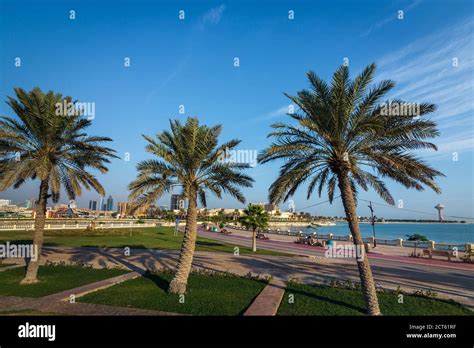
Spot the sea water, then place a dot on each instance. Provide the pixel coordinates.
(439, 232)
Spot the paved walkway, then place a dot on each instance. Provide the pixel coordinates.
(88, 288)
(12, 303)
(268, 301)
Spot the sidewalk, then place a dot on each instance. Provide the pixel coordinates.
(380, 252)
(268, 301)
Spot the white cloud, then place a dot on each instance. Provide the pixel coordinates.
(424, 72)
(213, 16)
(390, 18)
(272, 114)
(459, 143)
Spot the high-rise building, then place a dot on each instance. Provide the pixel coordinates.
(92, 205)
(30, 203)
(110, 203)
(102, 204)
(177, 202)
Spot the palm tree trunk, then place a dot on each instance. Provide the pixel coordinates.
(180, 280)
(40, 218)
(254, 240)
(366, 278)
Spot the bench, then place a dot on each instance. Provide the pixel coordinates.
(433, 252)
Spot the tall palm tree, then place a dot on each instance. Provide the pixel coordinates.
(255, 218)
(188, 156)
(52, 147)
(343, 132)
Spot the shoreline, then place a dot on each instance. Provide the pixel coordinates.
(338, 237)
(414, 223)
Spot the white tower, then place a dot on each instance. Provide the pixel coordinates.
(439, 207)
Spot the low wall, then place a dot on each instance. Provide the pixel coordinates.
(31, 227)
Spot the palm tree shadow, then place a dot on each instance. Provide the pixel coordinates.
(159, 281)
(204, 243)
(330, 300)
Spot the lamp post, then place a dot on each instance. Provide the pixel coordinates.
(372, 221)
(176, 226)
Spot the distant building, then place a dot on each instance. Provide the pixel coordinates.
(92, 205)
(270, 207)
(102, 204)
(123, 208)
(5, 202)
(177, 202)
(30, 203)
(110, 204)
(62, 213)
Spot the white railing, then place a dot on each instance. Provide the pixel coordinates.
(379, 241)
(29, 227)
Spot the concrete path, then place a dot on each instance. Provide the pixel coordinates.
(88, 288)
(12, 303)
(447, 283)
(268, 301)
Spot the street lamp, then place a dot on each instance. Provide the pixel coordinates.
(177, 219)
(373, 221)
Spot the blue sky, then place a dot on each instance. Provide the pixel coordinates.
(190, 62)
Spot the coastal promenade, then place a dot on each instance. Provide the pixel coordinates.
(382, 252)
(453, 282)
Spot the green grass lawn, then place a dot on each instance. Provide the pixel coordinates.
(150, 238)
(27, 312)
(53, 279)
(2, 265)
(207, 294)
(325, 300)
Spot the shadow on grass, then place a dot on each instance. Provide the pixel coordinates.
(19, 241)
(329, 300)
(161, 282)
(204, 243)
(119, 246)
